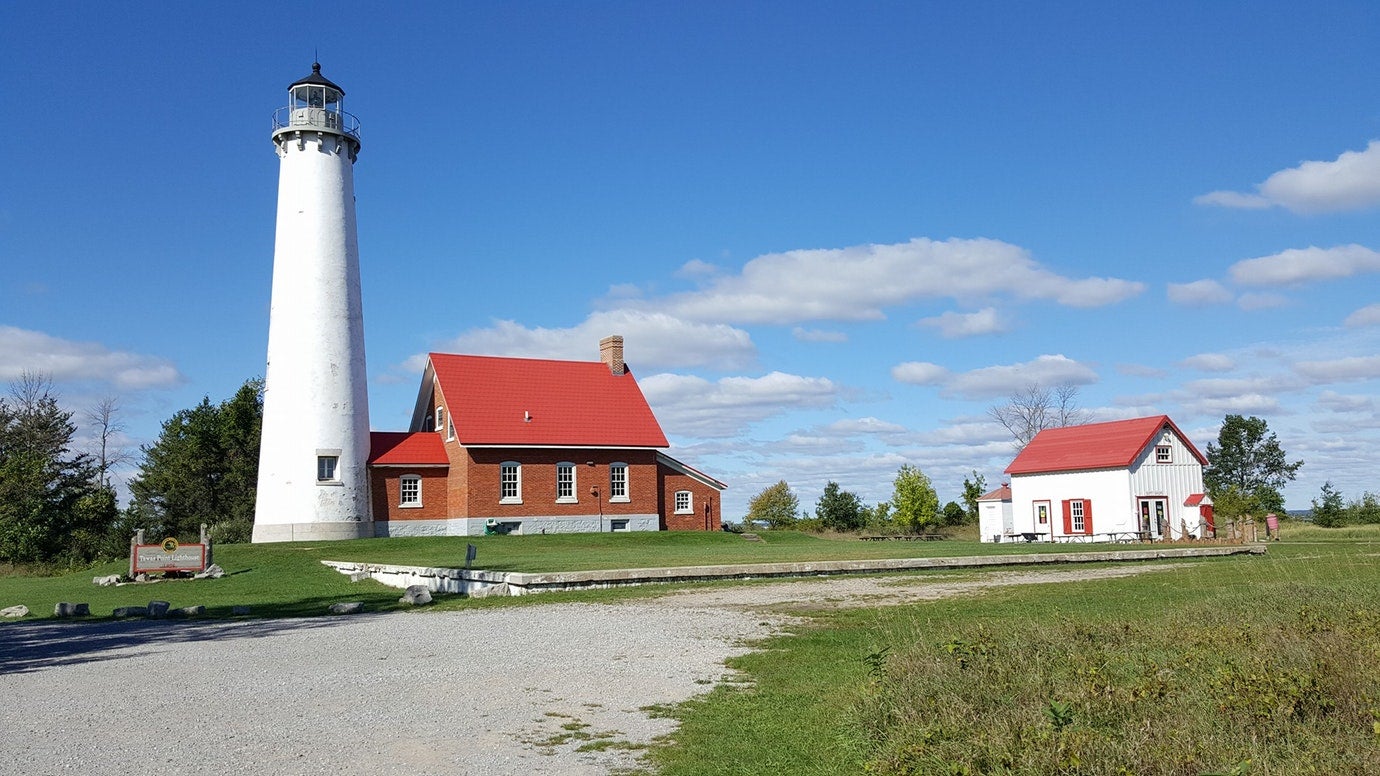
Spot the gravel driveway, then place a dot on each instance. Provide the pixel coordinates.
(494, 691)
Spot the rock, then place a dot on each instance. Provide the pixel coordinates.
(212, 572)
(416, 595)
(65, 609)
(347, 607)
(18, 610)
(106, 581)
(239, 611)
(485, 591)
(358, 576)
(141, 577)
(189, 611)
(159, 608)
(123, 612)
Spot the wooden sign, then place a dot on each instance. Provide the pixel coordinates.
(167, 555)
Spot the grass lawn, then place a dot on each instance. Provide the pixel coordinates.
(1259, 665)
(288, 580)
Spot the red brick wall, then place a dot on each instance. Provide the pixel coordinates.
(384, 492)
(704, 501)
(539, 482)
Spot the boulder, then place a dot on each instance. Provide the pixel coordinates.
(358, 576)
(239, 611)
(18, 610)
(66, 609)
(106, 581)
(347, 607)
(212, 572)
(416, 595)
(123, 612)
(189, 611)
(159, 608)
(485, 591)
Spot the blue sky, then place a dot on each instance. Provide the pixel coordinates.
(832, 234)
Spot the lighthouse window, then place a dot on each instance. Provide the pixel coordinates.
(510, 483)
(326, 468)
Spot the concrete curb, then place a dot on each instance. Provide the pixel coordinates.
(480, 583)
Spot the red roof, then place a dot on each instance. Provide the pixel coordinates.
(401, 448)
(523, 402)
(1113, 445)
(1195, 499)
(1000, 494)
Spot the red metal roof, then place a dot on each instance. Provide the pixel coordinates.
(524, 402)
(1113, 445)
(401, 448)
(1000, 494)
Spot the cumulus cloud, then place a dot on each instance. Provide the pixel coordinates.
(954, 325)
(1301, 265)
(818, 335)
(868, 425)
(993, 381)
(24, 350)
(1350, 182)
(858, 283)
(1366, 316)
(1338, 402)
(696, 407)
(1253, 301)
(651, 339)
(1209, 362)
(1340, 369)
(1199, 293)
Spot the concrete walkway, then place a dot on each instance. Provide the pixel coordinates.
(478, 583)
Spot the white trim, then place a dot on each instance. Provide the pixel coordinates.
(690, 471)
(574, 497)
(627, 487)
(689, 508)
(517, 466)
(403, 503)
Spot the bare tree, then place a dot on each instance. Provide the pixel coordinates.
(1035, 408)
(104, 417)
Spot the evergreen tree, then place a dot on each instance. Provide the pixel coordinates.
(1328, 509)
(954, 514)
(839, 510)
(203, 469)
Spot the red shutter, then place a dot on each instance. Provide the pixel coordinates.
(1068, 517)
(1087, 516)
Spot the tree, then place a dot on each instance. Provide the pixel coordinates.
(203, 469)
(914, 499)
(954, 514)
(776, 506)
(1247, 457)
(839, 510)
(1328, 509)
(51, 500)
(1034, 408)
(108, 453)
(878, 516)
(973, 490)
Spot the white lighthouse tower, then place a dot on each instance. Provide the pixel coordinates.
(313, 477)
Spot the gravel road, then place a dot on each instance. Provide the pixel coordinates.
(493, 691)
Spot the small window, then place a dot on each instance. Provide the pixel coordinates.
(618, 482)
(450, 428)
(1076, 514)
(1164, 454)
(326, 466)
(510, 483)
(618, 525)
(684, 504)
(565, 483)
(440, 418)
(410, 491)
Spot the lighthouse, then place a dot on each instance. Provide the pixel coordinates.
(313, 476)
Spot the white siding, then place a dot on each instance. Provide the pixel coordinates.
(1174, 481)
(1108, 489)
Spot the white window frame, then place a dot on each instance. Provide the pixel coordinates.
(689, 506)
(1164, 454)
(1076, 516)
(328, 464)
(515, 481)
(403, 482)
(565, 491)
(450, 428)
(618, 481)
(440, 418)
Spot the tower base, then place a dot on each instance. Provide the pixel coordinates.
(312, 532)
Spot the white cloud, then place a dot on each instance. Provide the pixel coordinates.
(1209, 362)
(1301, 265)
(693, 406)
(868, 425)
(818, 335)
(1243, 404)
(24, 350)
(993, 381)
(1226, 388)
(1366, 316)
(651, 339)
(1338, 402)
(954, 325)
(696, 268)
(1253, 301)
(859, 282)
(1340, 369)
(1140, 370)
(1350, 182)
(1199, 292)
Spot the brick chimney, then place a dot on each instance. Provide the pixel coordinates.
(611, 353)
